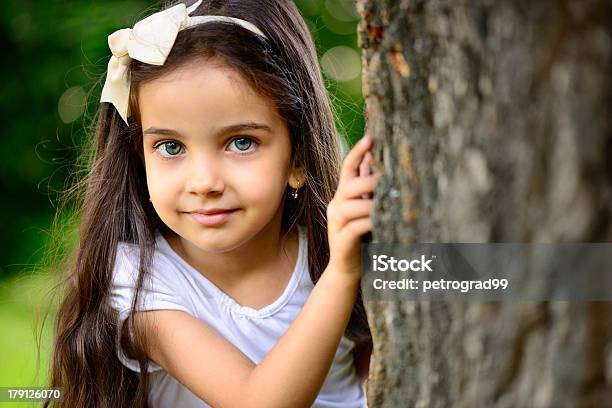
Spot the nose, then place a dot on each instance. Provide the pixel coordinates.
(204, 175)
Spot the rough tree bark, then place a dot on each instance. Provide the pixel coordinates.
(492, 123)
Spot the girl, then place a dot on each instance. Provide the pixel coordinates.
(218, 261)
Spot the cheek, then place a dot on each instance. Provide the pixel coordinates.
(263, 184)
(160, 185)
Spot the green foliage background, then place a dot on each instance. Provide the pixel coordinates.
(55, 56)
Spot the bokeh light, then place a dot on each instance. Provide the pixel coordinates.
(341, 63)
(71, 104)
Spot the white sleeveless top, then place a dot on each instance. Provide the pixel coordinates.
(177, 285)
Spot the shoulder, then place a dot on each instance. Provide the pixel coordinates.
(127, 264)
(161, 287)
(162, 282)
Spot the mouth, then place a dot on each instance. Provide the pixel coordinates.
(212, 217)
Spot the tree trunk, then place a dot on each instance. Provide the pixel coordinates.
(492, 123)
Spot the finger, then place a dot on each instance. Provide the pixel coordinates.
(357, 227)
(350, 165)
(365, 169)
(365, 166)
(358, 186)
(353, 209)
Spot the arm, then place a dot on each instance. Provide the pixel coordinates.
(290, 375)
(300, 361)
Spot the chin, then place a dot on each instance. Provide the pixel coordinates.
(215, 240)
(218, 247)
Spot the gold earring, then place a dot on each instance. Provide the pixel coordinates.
(295, 191)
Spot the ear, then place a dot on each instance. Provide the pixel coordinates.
(296, 177)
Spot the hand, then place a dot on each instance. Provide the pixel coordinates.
(349, 212)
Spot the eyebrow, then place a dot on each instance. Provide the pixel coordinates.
(224, 130)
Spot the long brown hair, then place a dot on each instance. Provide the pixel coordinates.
(112, 204)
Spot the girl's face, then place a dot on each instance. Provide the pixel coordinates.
(211, 142)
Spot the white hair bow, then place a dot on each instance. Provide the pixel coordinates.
(150, 41)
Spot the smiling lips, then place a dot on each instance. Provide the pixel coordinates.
(212, 217)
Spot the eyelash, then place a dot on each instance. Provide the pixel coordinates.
(171, 157)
